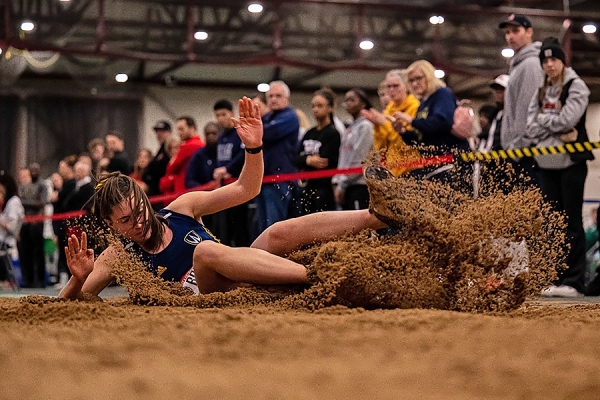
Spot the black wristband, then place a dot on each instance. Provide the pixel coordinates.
(254, 150)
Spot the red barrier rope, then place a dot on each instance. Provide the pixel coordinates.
(41, 218)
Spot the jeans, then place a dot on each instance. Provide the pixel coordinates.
(272, 205)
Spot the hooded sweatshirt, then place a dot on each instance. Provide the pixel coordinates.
(525, 76)
(546, 125)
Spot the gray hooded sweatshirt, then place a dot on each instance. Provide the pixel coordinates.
(525, 76)
(544, 127)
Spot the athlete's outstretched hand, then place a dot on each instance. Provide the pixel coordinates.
(249, 126)
(80, 259)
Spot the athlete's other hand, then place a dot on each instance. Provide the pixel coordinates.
(80, 259)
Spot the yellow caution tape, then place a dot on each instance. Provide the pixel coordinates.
(530, 151)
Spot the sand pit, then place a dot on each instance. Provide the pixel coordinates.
(434, 309)
(113, 349)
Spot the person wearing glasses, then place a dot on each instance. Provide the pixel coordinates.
(386, 137)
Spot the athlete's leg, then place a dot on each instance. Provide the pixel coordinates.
(218, 267)
(287, 236)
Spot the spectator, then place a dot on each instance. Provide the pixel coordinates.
(158, 166)
(432, 126)
(204, 161)
(24, 176)
(34, 197)
(142, 161)
(174, 179)
(356, 142)
(386, 136)
(119, 160)
(490, 134)
(84, 188)
(525, 76)
(11, 219)
(384, 96)
(319, 149)
(99, 155)
(261, 100)
(557, 116)
(304, 123)
(172, 146)
(230, 160)
(280, 142)
(67, 174)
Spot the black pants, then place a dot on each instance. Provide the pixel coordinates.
(31, 255)
(563, 188)
(231, 226)
(356, 197)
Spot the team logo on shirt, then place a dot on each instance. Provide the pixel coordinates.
(192, 238)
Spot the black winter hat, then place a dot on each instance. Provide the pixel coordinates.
(551, 48)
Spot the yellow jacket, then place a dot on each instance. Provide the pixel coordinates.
(398, 153)
(385, 135)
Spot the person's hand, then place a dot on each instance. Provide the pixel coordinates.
(249, 126)
(399, 126)
(317, 161)
(80, 259)
(404, 117)
(376, 117)
(220, 173)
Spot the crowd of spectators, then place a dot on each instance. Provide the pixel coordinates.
(540, 102)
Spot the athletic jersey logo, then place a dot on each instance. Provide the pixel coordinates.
(192, 238)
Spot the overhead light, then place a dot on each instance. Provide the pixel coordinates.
(255, 8)
(436, 20)
(439, 73)
(65, 1)
(589, 28)
(200, 35)
(27, 26)
(121, 78)
(508, 53)
(366, 44)
(0, 51)
(263, 87)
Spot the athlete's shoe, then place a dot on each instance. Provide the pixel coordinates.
(378, 173)
(376, 178)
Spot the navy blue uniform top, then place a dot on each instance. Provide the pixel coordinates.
(175, 260)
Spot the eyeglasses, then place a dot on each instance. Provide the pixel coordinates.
(416, 79)
(393, 86)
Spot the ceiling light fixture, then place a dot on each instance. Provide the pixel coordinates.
(589, 28)
(200, 35)
(508, 53)
(439, 73)
(366, 44)
(27, 26)
(121, 78)
(263, 87)
(255, 8)
(436, 20)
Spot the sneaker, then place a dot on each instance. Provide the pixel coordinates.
(561, 291)
(378, 173)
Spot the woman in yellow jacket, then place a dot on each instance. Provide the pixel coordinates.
(386, 138)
